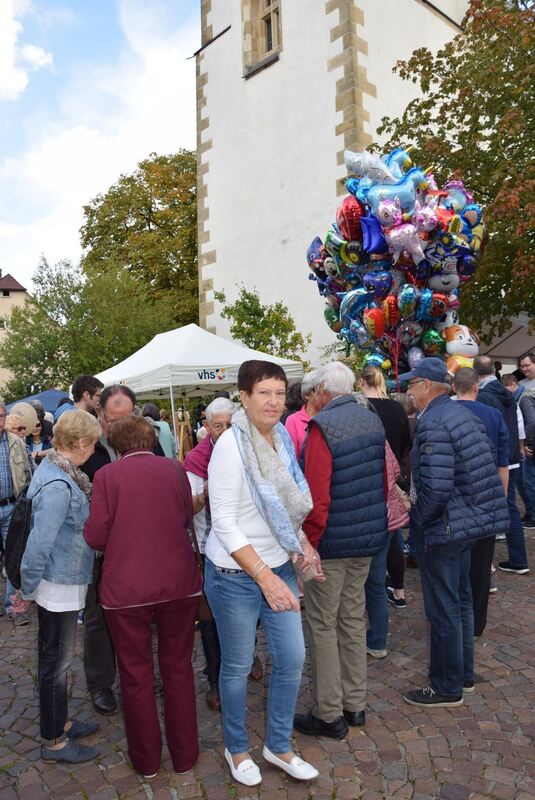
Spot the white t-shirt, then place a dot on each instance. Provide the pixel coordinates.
(236, 521)
(60, 596)
(201, 521)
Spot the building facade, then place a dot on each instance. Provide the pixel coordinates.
(283, 87)
(12, 295)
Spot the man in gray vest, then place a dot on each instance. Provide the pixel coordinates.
(344, 464)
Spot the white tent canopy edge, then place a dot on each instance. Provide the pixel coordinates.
(188, 361)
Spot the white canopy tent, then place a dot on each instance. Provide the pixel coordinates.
(189, 362)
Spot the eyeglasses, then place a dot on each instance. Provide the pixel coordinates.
(21, 428)
(415, 382)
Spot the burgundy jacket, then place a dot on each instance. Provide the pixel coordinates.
(139, 520)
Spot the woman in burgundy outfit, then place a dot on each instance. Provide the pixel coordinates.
(139, 516)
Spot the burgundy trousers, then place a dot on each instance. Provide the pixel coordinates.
(131, 633)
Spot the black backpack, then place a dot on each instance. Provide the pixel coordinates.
(18, 533)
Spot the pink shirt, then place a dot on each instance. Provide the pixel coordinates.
(296, 425)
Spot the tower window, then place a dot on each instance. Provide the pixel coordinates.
(262, 39)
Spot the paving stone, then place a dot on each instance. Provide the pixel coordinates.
(482, 750)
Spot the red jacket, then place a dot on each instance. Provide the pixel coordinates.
(139, 520)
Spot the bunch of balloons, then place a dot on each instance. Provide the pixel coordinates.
(390, 267)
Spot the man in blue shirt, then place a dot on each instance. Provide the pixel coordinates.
(466, 385)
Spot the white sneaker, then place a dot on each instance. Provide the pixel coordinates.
(376, 653)
(246, 772)
(297, 768)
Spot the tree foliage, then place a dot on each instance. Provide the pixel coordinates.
(474, 120)
(146, 224)
(270, 329)
(73, 325)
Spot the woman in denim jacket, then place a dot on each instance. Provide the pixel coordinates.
(55, 571)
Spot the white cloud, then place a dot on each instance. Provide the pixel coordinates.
(35, 57)
(111, 118)
(15, 59)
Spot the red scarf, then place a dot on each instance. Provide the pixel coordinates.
(197, 460)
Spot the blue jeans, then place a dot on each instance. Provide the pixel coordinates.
(376, 601)
(515, 535)
(5, 516)
(237, 603)
(445, 576)
(526, 485)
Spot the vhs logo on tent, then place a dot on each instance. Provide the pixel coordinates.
(211, 374)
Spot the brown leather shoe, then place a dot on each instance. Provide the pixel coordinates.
(257, 670)
(213, 700)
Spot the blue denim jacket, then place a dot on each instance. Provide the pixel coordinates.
(56, 549)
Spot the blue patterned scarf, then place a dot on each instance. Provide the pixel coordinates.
(283, 499)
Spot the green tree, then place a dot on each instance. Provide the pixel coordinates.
(270, 329)
(73, 324)
(146, 224)
(474, 120)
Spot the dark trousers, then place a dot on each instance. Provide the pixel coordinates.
(131, 631)
(212, 651)
(445, 576)
(99, 656)
(480, 564)
(395, 562)
(515, 535)
(55, 649)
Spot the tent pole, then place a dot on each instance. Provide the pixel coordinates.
(173, 410)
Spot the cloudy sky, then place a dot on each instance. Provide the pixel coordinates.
(88, 88)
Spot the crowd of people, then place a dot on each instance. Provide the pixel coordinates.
(264, 518)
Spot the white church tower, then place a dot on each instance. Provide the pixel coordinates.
(283, 87)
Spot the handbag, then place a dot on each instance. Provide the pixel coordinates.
(204, 613)
(18, 533)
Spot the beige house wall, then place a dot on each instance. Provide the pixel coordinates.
(7, 304)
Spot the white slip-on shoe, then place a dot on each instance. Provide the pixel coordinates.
(246, 772)
(297, 768)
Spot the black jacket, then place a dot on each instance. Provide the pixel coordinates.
(495, 394)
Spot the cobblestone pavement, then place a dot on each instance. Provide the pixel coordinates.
(483, 749)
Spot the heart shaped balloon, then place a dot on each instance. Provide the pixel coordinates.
(359, 335)
(390, 310)
(439, 304)
(409, 333)
(432, 343)
(348, 218)
(408, 297)
(374, 322)
(378, 282)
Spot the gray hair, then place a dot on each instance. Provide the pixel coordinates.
(309, 383)
(219, 406)
(336, 378)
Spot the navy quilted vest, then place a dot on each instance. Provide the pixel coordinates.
(357, 522)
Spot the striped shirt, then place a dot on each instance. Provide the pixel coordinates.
(6, 482)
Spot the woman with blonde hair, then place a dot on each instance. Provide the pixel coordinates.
(396, 425)
(56, 569)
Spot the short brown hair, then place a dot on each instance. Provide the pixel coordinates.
(132, 433)
(254, 371)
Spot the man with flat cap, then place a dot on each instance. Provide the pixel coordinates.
(457, 499)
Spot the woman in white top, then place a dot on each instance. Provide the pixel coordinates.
(56, 569)
(258, 501)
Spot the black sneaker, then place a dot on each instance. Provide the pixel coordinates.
(469, 687)
(506, 566)
(528, 523)
(397, 602)
(428, 698)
